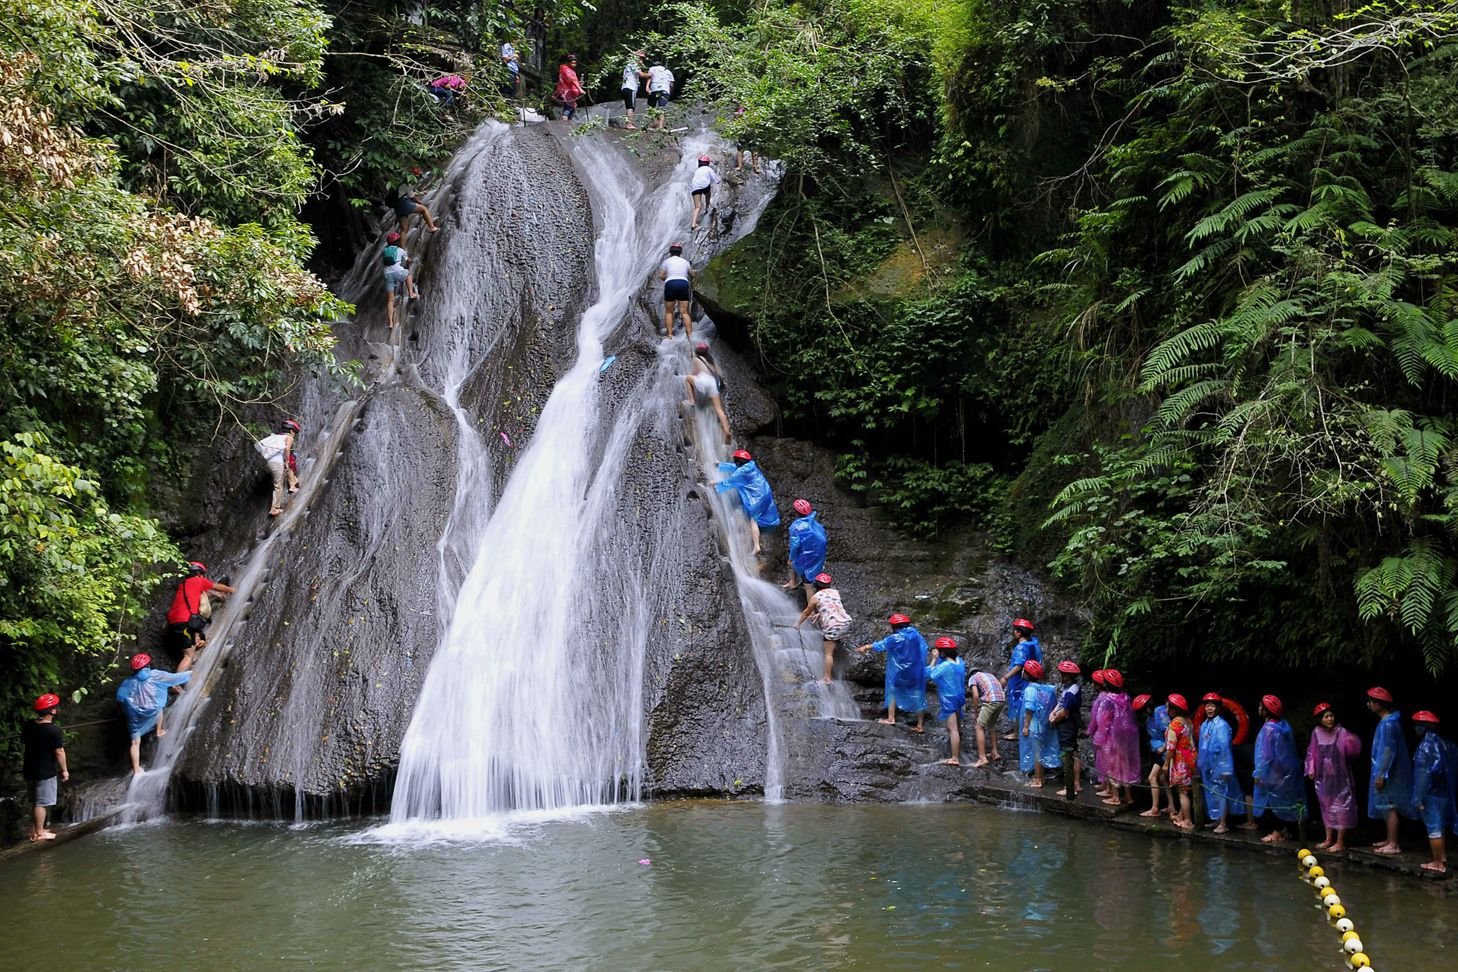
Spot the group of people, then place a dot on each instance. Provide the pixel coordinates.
(658, 79)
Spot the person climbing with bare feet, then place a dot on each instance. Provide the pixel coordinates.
(991, 702)
(701, 188)
(755, 495)
(677, 275)
(808, 544)
(144, 697)
(830, 616)
(1038, 742)
(397, 275)
(905, 684)
(706, 384)
(1389, 794)
(949, 675)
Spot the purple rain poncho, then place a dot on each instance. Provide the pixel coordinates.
(1278, 784)
(1390, 762)
(1328, 763)
(1115, 735)
(1097, 713)
(1216, 763)
(1040, 745)
(905, 668)
(754, 491)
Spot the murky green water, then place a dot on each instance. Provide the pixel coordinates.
(730, 886)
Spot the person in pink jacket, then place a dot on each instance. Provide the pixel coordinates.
(569, 88)
(1329, 766)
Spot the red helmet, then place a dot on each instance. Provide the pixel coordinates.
(1421, 716)
(704, 160)
(198, 567)
(898, 619)
(1272, 705)
(741, 454)
(1100, 676)
(944, 642)
(140, 661)
(1033, 668)
(1379, 693)
(47, 702)
(1213, 697)
(1320, 708)
(803, 507)
(1113, 678)
(1177, 701)
(392, 237)
(1023, 623)
(291, 424)
(823, 578)
(1140, 701)
(675, 247)
(1068, 667)
(701, 346)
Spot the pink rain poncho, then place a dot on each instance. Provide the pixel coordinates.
(1328, 763)
(1115, 735)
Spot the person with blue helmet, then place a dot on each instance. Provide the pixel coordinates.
(808, 544)
(1025, 649)
(905, 685)
(754, 494)
(1434, 787)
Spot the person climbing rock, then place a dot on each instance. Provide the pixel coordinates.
(807, 546)
(186, 620)
(705, 383)
(949, 675)
(1038, 738)
(447, 88)
(144, 697)
(402, 200)
(754, 494)
(701, 188)
(660, 87)
(511, 61)
(905, 684)
(1067, 719)
(991, 702)
(397, 274)
(830, 616)
(43, 763)
(633, 75)
(292, 462)
(1277, 783)
(275, 450)
(1329, 767)
(1155, 727)
(1216, 763)
(1389, 792)
(1179, 761)
(569, 88)
(1434, 787)
(1025, 649)
(677, 275)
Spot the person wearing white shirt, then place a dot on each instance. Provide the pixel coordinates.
(512, 62)
(660, 86)
(700, 187)
(633, 75)
(678, 290)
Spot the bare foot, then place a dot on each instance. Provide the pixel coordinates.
(728, 438)
(161, 733)
(1222, 829)
(1388, 851)
(1034, 785)
(275, 512)
(887, 722)
(293, 489)
(1323, 845)
(789, 586)
(1111, 801)
(997, 757)
(1151, 813)
(917, 729)
(825, 681)
(1337, 849)
(693, 226)
(1249, 826)
(1435, 867)
(754, 552)
(435, 229)
(1380, 844)
(979, 764)
(954, 761)
(39, 837)
(1183, 824)
(1274, 837)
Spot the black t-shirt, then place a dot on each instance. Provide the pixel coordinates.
(41, 740)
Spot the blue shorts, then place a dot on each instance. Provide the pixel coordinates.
(405, 206)
(1434, 816)
(658, 99)
(948, 709)
(395, 277)
(678, 290)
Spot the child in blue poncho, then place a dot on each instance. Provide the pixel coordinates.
(807, 547)
(1389, 793)
(905, 688)
(1025, 649)
(1279, 785)
(144, 696)
(754, 494)
(1434, 787)
(1038, 739)
(949, 675)
(1215, 760)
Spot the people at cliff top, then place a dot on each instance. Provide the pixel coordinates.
(705, 383)
(1216, 763)
(398, 276)
(446, 87)
(1434, 787)
(827, 612)
(1278, 788)
(1116, 746)
(990, 702)
(905, 683)
(1329, 758)
(1025, 649)
(1067, 719)
(1038, 740)
(275, 450)
(1179, 761)
(633, 75)
(701, 187)
(402, 200)
(144, 697)
(660, 86)
(511, 61)
(949, 675)
(1389, 790)
(755, 495)
(1155, 726)
(187, 620)
(569, 88)
(43, 763)
(677, 275)
(808, 544)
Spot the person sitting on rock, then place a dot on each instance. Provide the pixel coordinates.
(706, 383)
(1025, 649)
(1434, 781)
(830, 616)
(905, 684)
(807, 547)
(949, 675)
(144, 697)
(755, 495)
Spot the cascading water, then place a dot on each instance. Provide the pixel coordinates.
(533, 700)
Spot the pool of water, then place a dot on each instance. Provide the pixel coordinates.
(729, 886)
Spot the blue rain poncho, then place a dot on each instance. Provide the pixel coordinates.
(1279, 787)
(1025, 651)
(807, 546)
(905, 668)
(1216, 763)
(1390, 762)
(1040, 745)
(144, 696)
(1156, 726)
(1433, 783)
(950, 677)
(754, 492)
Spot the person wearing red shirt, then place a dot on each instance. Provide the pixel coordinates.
(187, 619)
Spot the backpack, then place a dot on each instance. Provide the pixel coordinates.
(392, 255)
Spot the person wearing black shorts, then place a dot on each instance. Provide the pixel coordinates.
(633, 75)
(678, 290)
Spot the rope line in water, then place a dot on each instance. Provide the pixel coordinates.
(1352, 949)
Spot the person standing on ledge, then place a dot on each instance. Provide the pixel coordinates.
(991, 702)
(1433, 787)
(1067, 717)
(660, 86)
(807, 547)
(633, 75)
(905, 685)
(569, 88)
(1389, 794)
(44, 763)
(754, 494)
(1216, 762)
(1155, 727)
(1180, 761)
(677, 275)
(1329, 766)
(1025, 649)
(1038, 742)
(144, 696)
(511, 87)
(949, 675)
(1278, 785)
(831, 618)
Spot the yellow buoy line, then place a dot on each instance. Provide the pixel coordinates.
(1331, 905)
